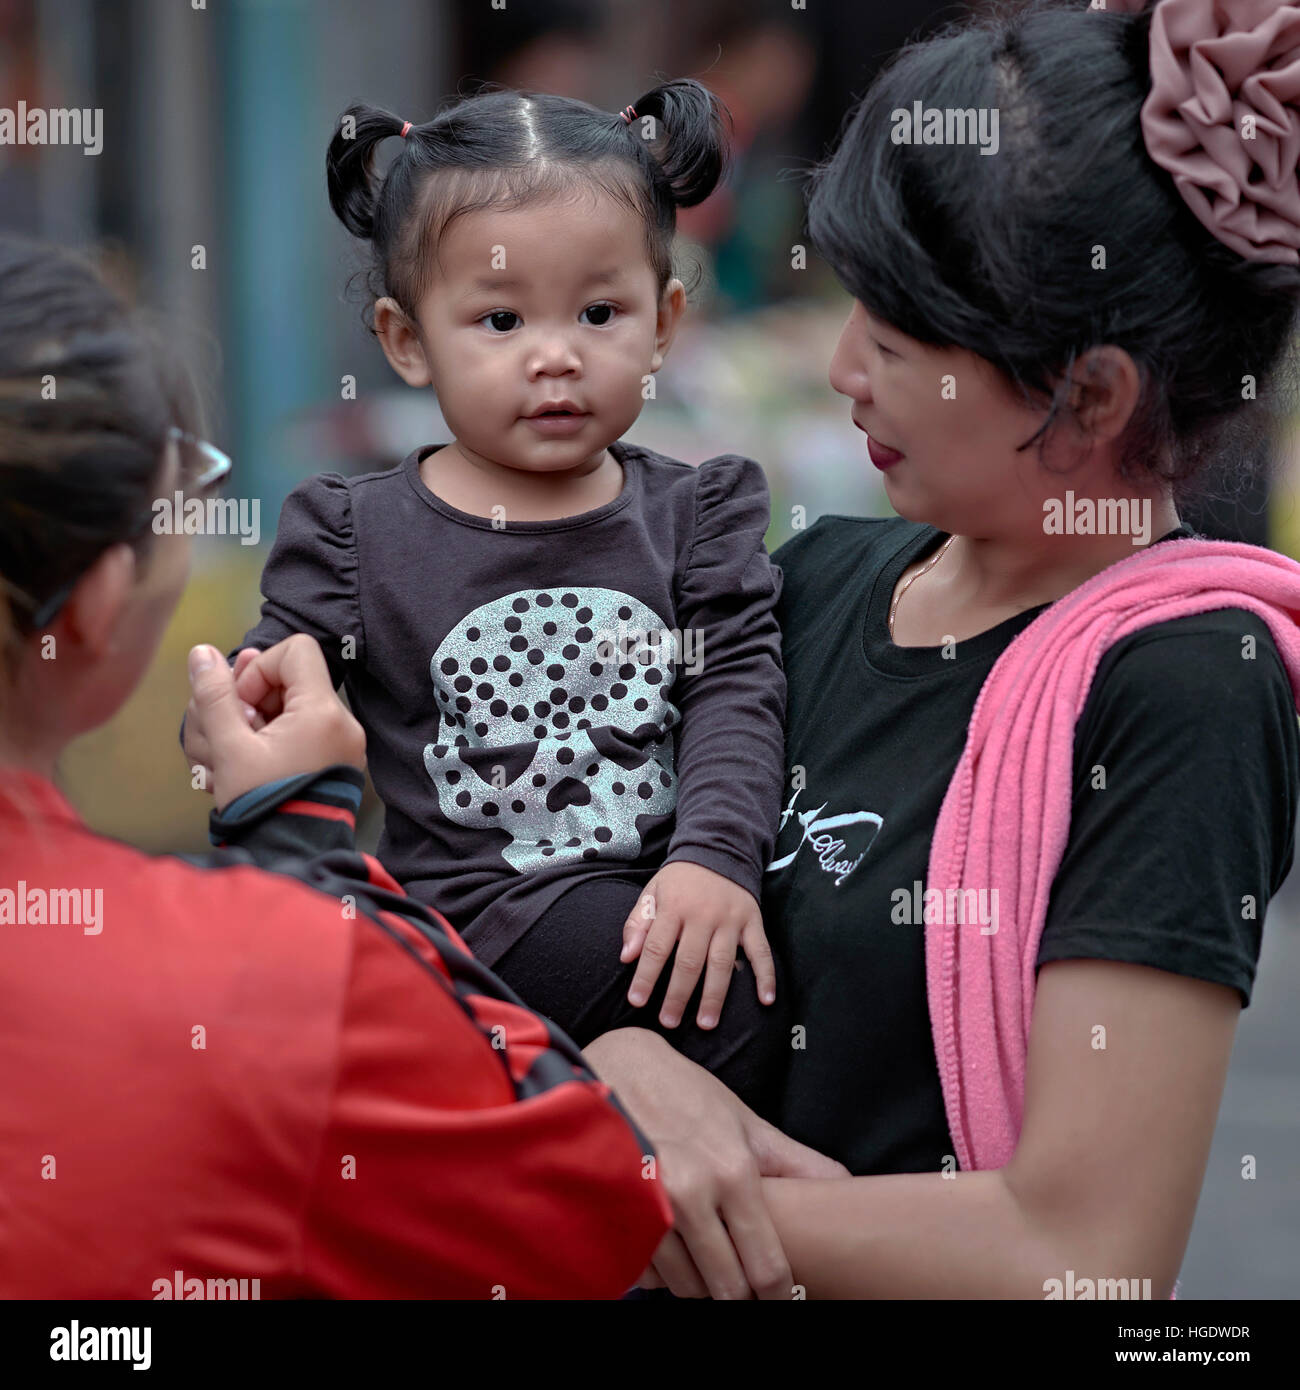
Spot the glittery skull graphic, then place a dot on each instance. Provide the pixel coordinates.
(554, 723)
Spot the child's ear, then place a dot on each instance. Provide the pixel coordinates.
(672, 305)
(401, 343)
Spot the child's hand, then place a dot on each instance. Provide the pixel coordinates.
(711, 915)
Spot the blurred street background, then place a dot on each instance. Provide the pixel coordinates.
(216, 120)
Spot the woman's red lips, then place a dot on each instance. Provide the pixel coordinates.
(881, 456)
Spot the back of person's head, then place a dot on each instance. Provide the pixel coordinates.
(503, 149)
(1067, 237)
(88, 391)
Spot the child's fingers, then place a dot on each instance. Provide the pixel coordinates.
(637, 926)
(257, 684)
(688, 964)
(717, 978)
(242, 657)
(655, 950)
(754, 940)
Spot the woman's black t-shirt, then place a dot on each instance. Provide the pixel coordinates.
(1170, 864)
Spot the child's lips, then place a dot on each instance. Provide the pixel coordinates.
(558, 425)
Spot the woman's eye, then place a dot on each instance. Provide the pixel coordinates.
(889, 352)
(601, 314)
(501, 320)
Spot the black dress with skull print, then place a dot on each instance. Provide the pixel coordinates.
(598, 694)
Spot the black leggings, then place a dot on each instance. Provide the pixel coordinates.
(567, 967)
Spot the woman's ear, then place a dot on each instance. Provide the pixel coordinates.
(1105, 385)
(94, 608)
(672, 305)
(401, 343)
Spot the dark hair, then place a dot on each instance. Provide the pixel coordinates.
(503, 148)
(994, 253)
(88, 390)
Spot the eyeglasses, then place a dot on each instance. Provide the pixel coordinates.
(217, 466)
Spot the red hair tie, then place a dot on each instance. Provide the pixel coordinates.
(628, 113)
(405, 128)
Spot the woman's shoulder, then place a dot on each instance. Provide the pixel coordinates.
(1212, 666)
(836, 548)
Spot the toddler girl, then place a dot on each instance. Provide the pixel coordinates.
(561, 645)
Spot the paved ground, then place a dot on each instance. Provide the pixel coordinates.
(1246, 1240)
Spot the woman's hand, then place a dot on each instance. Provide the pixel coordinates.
(194, 742)
(298, 724)
(711, 1151)
(705, 917)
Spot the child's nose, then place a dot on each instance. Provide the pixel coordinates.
(553, 354)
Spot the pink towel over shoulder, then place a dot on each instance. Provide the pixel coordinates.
(1006, 815)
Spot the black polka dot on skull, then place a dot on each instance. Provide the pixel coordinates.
(512, 624)
(450, 667)
(520, 605)
(473, 634)
(555, 671)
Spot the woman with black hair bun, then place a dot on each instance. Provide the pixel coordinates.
(1042, 738)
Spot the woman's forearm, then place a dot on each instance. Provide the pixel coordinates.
(916, 1235)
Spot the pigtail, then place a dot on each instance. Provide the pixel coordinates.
(691, 146)
(350, 165)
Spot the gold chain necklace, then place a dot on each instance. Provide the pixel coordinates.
(925, 569)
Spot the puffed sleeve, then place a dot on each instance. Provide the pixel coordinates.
(310, 580)
(730, 686)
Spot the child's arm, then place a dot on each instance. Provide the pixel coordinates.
(730, 689)
(309, 585)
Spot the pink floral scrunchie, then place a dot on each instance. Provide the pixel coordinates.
(1223, 116)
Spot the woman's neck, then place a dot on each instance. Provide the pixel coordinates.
(996, 573)
(23, 754)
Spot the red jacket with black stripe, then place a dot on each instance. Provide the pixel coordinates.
(269, 1063)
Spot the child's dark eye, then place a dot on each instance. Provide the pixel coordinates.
(889, 352)
(600, 314)
(501, 320)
